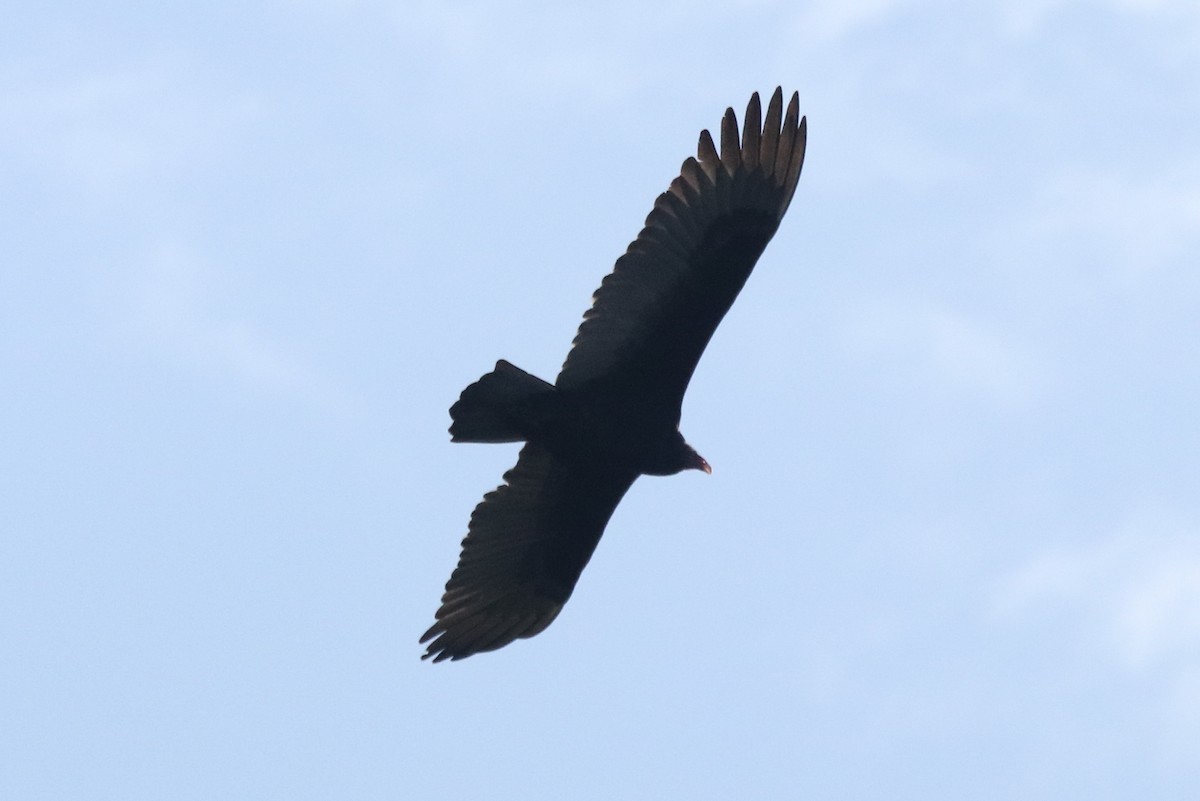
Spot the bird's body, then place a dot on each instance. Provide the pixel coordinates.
(613, 412)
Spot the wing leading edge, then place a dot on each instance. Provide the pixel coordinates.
(654, 314)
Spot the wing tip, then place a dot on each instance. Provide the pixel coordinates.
(752, 133)
(480, 632)
(731, 146)
(706, 149)
(770, 144)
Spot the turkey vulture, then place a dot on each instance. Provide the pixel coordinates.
(613, 412)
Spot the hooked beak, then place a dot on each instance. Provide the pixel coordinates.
(702, 465)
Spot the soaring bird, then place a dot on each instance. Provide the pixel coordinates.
(613, 412)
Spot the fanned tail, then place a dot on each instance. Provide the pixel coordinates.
(502, 406)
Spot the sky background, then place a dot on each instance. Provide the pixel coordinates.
(253, 251)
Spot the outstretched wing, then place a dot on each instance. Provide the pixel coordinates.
(526, 545)
(654, 314)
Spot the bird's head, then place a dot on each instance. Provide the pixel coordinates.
(676, 457)
(694, 461)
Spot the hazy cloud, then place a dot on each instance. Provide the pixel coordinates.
(104, 130)
(174, 314)
(948, 348)
(580, 61)
(1140, 223)
(1033, 13)
(1137, 590)
(829, 20)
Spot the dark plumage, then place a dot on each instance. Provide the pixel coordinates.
(613, 412)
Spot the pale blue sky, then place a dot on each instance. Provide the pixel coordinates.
(252, 252)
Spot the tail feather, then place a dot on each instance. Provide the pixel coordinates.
(500, 407)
